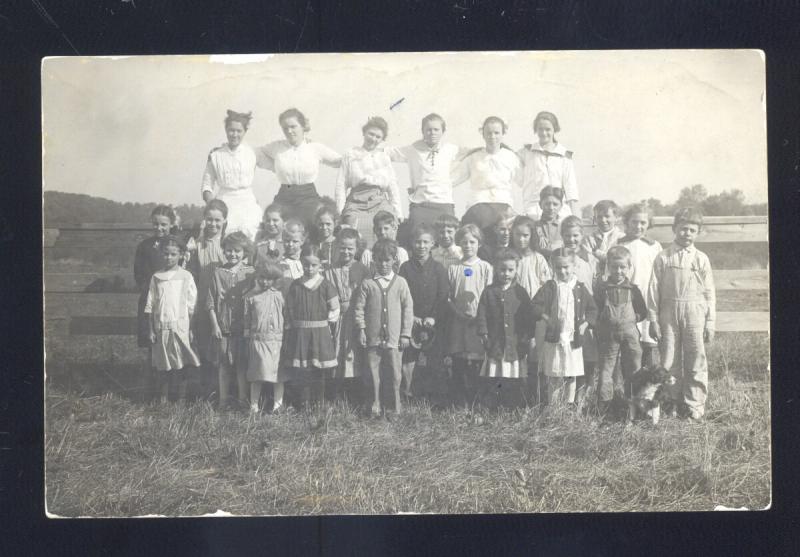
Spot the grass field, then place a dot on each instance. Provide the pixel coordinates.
(108, 456)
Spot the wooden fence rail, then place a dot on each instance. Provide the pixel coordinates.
(90, 299)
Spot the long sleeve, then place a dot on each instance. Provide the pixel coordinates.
(328, 156)
(359, 306)
(443, 291)
(570, 184)
(397, 154)
(600, 297)
(394, 193)
(540, 302)
(340, 190)
(639, 305)
(590, 313)
(151, 297)
(480, 319)
(248, 312)
(653, 293)
(263, 158)
(407, 308)
(461, 172)
(709, 292)
(209, 177)
(211, 295)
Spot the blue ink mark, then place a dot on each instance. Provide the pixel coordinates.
(467, 272)
(394, 104)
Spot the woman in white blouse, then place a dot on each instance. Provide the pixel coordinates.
(493, 171)
(229, 177)
(367, 182)
(547, 163)
(295, 161)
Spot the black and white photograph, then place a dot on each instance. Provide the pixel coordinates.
(406, 283)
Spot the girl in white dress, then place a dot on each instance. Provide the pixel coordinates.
(264, 317)
(229, 174)
(567, 309)
(170, 305)
(295, 161)
(547, 163)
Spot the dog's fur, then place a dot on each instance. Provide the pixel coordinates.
(650, 388)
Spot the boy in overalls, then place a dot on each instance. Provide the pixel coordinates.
(620, 307)
(681, 307)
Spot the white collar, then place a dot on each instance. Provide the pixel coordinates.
(558, 149)
(387, 278)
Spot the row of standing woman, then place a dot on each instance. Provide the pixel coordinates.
(367, 183)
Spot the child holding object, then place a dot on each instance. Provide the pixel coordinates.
(467, 281)
(346, 276)
(644, 251)
(567, 309)
(505, 325)
(427, 282)
(384, 315)
(620, 307)
(225, 307)
(171, 298)
(264, 314)
(681, 306)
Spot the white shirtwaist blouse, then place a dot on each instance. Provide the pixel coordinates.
(429, 170)
(543, 167)
(492, 175)
(232, 172)
(375, 167)
(296, 165)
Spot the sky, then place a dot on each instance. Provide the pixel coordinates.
(640, 123)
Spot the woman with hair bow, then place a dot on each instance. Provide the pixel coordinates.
(229, 177)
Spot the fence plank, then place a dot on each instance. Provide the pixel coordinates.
(754, 279)
(742, 321)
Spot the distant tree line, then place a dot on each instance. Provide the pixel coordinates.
(727, 203)
(65, 209)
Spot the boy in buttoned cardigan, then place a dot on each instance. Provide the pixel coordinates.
(384, 316)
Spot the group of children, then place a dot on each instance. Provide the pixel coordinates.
(536, 308)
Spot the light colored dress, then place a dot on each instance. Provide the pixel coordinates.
(546, 167)
(170, 303)
(532, 272)
(467, 281)
(492, 176)
(232, 171)
(559, 359)
(263, 322)
(643, 255)
(378, 192)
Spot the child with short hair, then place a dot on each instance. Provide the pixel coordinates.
(170, 303)
(551, 199)
(585, 267)
(312, 310)
(505, 326)
(384, 315)
(264, 318)
(446, 252)
(681, 305)
(500, 235)
(385, 228)
(427, 282)
(467, 279)
(607, 234)
(620, 306)
(346, 276)
(225, 307)
(324, 239)
(638, 220)
(568, 310)
(294, 237)
(269, 242)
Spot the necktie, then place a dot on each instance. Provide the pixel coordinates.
(432, 155)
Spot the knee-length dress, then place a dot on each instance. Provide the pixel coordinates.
(226, 291)
(205, 254)
(264, 314)
(148, 260)
(346, 280)
(309, 343)
(467, 282)
(171, 299)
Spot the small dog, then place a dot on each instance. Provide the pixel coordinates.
(650, 388)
